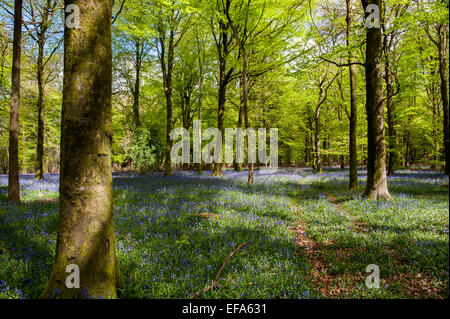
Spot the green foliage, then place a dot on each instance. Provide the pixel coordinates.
(144, 150)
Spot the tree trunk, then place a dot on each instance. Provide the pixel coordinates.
(306, 150)
(13, 173)
(444, 95)
(167, 79)
(353, 183)
(376, 186)
(200, 101)
(312, 147)
(85, 224)
(238, 166)
(221, 105)
(435, 135)
(41, 110)
(406, 159)
(137, 85)
(186, 101)
(317, 159)
(23, 169)
(245, 97)
(244, 88)
(392, 139)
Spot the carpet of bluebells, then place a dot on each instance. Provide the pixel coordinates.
(167, 249)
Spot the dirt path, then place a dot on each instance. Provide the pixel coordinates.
(332, 285)
(327, 284)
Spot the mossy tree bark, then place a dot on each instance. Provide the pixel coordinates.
(13, 173)
(85, 221)
(376, 187)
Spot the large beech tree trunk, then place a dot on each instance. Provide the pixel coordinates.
(353, 183)
(376, 187)
(13, 173)
(85, 221)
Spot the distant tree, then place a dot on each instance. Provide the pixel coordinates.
(40, 18)
(436, 27)
(172, 22)
(353, 150)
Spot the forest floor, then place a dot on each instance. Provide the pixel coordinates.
(305, 236)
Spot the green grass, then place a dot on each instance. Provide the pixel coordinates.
(167, 250)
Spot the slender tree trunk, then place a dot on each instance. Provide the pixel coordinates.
(327, 146)
(167, 78)
(317, 160)
(200, 102)
(245, 97)
(376, 186)
(444, 95)
(41, 36)
(407, 149)
(238, 166)
(221, 105)
(244, 89)
(392, 139)
(306, 150)
(186, 110)
(23, 169)
(85, 224)
(435, 135)
(353, 182)
(312, 146)
(41, 112)
(223, 46)
(13, 173)
(137, 85)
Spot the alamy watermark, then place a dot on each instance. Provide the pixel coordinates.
(73, 16)
(218, 146)
(373, 19)
(73, 280)
(373, 279)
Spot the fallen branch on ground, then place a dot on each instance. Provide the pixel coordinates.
(214, 283)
